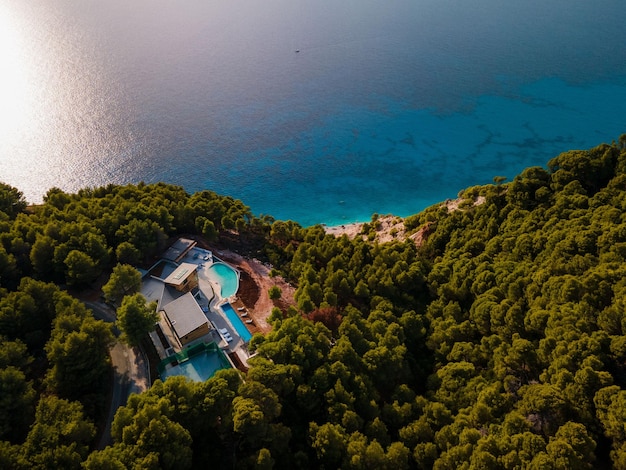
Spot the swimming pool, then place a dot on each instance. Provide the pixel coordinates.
(226, 277)
(236, 322)
(199, 363)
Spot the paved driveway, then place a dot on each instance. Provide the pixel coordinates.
(130, 371)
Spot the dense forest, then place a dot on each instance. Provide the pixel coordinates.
(497, 342)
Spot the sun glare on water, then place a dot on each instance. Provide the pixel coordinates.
(15, 83)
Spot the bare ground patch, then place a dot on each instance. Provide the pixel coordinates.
(254, 284)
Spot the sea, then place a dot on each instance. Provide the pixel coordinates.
(317, 111)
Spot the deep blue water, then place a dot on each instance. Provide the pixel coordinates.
(388, 107)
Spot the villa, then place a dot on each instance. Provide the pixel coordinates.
(184, 278)
(179, 250)
(181, 304)
(191, 288)
(185, 319)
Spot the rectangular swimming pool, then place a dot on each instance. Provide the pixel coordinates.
(236, 322)
(201, 364)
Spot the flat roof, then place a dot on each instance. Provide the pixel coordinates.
(181, 273)
(185, 315)
(152, 289)
(178, 249)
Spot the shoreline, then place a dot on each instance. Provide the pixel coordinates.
(386, 228)
(351, 229)
(389, 227)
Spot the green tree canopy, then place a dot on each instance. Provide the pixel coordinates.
(274, 292)
(136, 318)
(17, 398)
(124, 280)
(60, 436)
(12, 200)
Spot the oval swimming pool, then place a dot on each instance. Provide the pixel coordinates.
(226, 277)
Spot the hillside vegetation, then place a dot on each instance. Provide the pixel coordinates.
(498, 341)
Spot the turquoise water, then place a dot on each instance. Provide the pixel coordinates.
(236, 322)
(226, 277)
(388, 107)
(199, 368)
